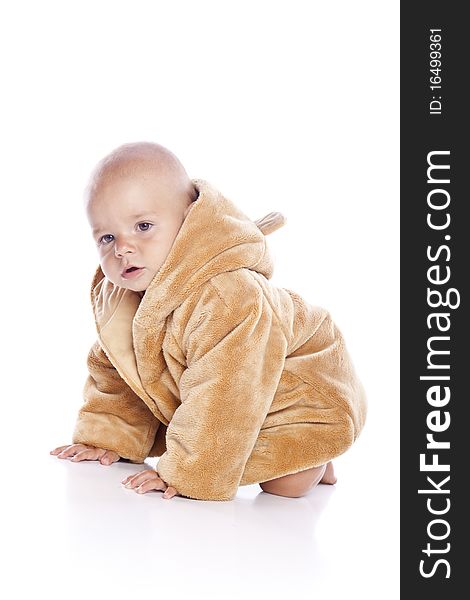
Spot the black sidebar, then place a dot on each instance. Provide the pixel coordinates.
(434, 261)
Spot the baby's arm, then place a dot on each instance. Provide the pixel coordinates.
(235, 353)
(79, 452)
(113, 417)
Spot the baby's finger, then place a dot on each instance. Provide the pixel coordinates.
(71, 450)
(109, 457)
(138, 478)
(58, 450)
(169, 493)
(154, 483)
(88, 454)
(128, 478)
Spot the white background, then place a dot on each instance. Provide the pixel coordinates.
(287, 106)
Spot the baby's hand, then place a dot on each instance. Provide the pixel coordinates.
(147, 480)
(81, 452)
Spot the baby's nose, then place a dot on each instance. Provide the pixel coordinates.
(121, 248)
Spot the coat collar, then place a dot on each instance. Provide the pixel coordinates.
(215, 237)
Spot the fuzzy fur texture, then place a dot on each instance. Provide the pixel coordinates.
(229, 379)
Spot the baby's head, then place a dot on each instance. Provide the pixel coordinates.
(136, 201)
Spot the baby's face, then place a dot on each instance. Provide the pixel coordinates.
(134, 222)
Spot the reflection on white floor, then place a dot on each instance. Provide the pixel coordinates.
(73, 531)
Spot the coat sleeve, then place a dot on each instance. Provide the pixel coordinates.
(235, 353)
(113, 416)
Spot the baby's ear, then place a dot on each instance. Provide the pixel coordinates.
(271, 222)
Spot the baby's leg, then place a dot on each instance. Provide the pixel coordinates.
(298, 484)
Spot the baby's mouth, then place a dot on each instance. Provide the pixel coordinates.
(131, 272)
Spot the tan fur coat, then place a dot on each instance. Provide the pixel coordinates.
(229, 379)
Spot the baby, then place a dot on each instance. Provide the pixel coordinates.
(199, 359)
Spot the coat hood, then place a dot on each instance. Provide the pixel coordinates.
(215, 237)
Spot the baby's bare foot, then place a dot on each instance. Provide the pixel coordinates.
(329, 476)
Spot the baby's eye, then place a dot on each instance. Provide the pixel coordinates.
(146, 226)
(104, 239)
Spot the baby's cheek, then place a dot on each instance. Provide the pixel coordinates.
(109, 269)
